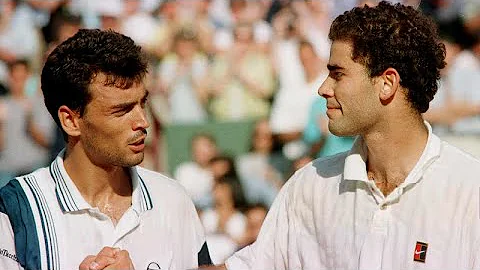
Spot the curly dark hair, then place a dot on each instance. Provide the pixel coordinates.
(73, 65)
(395, 36)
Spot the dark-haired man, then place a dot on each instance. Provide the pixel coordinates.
(93, 208)
(400, 198)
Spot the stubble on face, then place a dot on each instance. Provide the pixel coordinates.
(354, 95)
(104, 137)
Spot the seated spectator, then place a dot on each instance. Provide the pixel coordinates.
(195, 175)
(223, 166)
(259, 177)
(225, 218)
(255, 214)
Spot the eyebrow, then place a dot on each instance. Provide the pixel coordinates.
(128, 104)
(334, 67)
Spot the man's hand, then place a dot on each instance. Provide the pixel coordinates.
(107, 258)
(122, 261)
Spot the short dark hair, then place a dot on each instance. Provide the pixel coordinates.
(395, 36)
(73, 65)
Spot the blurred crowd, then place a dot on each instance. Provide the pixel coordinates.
(223, 60)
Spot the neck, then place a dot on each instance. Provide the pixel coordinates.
(394, 150)
(98, 185)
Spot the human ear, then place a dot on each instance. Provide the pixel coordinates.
(390, 83)
(69, 121)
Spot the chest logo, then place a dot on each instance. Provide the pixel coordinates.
(153, 266)
(420, 253)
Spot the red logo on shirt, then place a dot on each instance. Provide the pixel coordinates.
(420, 252)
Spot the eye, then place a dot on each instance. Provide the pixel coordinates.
(336, 75)
(123, 110)
(144, 103)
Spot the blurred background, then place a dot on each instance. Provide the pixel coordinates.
(233, 92)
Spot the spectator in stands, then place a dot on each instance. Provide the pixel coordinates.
(242, 80)
(203, 24)
(168, 24)
(314, 19)
(292, 110)
(182, 79)
(195, 175)
(254, 13)
(26, 127)
(138, 24)
(19, 38)
(455, 110)
(223, 166)
(255, 215)
(225, 219)
(289, 70)
(257, 172)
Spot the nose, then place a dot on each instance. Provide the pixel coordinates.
(326, 90)
(141, 120)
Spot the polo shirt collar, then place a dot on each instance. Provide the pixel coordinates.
(70, 199)
(355, 163)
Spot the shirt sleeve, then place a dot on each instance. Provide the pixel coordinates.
(272, 247)
(19, 246)
(194, 246)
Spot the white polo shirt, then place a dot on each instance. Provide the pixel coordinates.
(330, 216)
(55, 228)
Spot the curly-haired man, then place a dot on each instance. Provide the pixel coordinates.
(400, 198)
(93, 208)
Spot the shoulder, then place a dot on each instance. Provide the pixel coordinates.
(37, 179)
(458, 162)
(157, 180)
(24, 193)
(12, 196)
(160, 185)
(321, 172)
(324, 168)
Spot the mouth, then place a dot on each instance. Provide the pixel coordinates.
(331, 111)
(138, 145)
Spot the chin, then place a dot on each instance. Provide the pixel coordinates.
(139, 159)
(133, 160)
(340, 130)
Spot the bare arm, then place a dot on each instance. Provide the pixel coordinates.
(452, 112)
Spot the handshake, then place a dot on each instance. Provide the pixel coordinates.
(108, 258)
